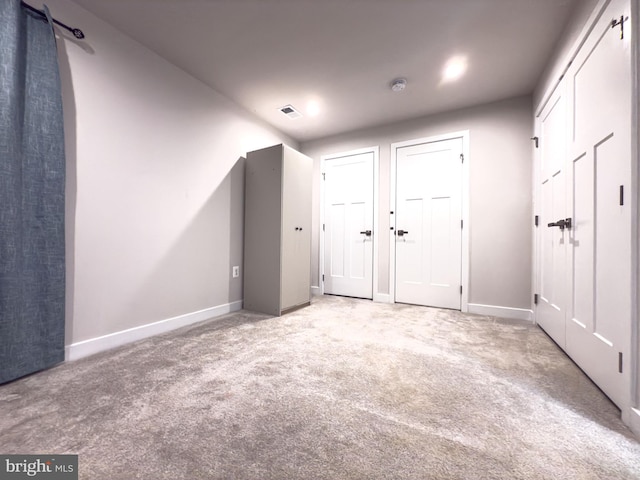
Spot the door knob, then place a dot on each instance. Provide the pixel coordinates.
(559, 223)
(366, 232)
(562, 223)
(402, 232)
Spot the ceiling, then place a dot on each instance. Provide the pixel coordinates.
(343, 54)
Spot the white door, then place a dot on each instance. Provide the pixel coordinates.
(584, 175)
(429, 224)
(296, 229)
(348, 224)
(553, 235)
(599, 307)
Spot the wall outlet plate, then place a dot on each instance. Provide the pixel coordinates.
(235, 272)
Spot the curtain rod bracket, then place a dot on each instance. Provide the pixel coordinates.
(76, 31)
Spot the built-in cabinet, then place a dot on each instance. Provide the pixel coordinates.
(277, 230)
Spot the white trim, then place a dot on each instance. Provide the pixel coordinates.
(464, 134)
(503, 312)
(376, 175)
(315, 291)
(632, 420)
(116, 339)
(382, 298)
(376, 222)
(535, 234)
(464, 307)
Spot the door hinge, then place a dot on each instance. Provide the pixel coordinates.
(461, 223)
(536, 220)
(535, 298)
(619, 362)
(536, 139)
(462, 157)
(324, 177)
(620, 21)
(621, 195)
(323, 227)
(460, 289)
(323, 277)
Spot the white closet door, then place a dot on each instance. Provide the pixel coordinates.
(599, 315)
(553, 240)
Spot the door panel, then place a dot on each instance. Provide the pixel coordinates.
(358, 261)
(337, 248)
(410, 256)
(348, 250)
(428, 224)
(583, 241)
(440, 251)
(598, 333)
(550, 313)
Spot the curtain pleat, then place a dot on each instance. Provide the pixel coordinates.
(32, 182)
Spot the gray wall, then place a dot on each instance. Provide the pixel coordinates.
(500, 194)
(155, 183)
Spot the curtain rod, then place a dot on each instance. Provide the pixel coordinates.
(76, 31)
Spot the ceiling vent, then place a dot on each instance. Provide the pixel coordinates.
(290, 112)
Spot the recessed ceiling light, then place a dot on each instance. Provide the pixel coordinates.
(399, 84)
(454, 69)
(313, 108)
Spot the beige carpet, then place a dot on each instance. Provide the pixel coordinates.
(344, 389)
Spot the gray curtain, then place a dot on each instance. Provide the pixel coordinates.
(32, 179)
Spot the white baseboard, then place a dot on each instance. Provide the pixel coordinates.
(504, 312)
(633, 421)
(316, 290)
(382, 298)
(116, 339)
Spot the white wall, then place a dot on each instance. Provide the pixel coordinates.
(155, 185)
(500, 194)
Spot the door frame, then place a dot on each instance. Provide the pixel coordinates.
(464, 278)
(632, 416)
(375, 150)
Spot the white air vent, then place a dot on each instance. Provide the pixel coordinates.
(290, 112)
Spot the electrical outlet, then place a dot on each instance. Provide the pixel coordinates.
(235, 271)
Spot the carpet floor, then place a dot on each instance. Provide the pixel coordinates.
(343, 389)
